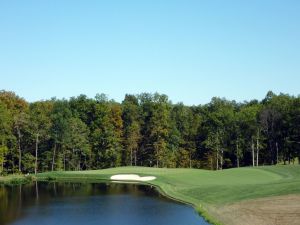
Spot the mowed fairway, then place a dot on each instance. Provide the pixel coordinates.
(222, 196)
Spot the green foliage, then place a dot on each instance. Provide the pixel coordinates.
(77, 143)
(16, 179)
(28, 163)
(3, 153)
(147, 129)
(132, 129)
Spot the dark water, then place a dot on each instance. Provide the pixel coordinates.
(91, 204)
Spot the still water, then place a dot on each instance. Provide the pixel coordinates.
(91, 204)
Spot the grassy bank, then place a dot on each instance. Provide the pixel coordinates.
(205, 190)
(15, 179)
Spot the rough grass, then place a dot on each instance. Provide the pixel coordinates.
(15, 179)
(205, 190)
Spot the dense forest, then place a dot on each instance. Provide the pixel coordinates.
(146, 130)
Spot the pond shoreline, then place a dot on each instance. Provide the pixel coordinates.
(16, 179)
(70, 203)
(211, 193)
(22, 179)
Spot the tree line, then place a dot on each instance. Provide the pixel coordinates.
(146, 130)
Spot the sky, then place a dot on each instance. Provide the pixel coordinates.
(191, 50)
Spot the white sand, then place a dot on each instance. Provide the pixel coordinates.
(131, 177)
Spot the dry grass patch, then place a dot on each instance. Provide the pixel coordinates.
(279, 210)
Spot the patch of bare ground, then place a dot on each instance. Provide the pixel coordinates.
(279, 210)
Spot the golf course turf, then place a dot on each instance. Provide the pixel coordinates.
(212, 193)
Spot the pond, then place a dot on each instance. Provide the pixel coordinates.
(91, 204)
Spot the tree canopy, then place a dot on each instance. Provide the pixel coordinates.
(146, 130)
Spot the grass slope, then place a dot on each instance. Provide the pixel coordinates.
(204, 189)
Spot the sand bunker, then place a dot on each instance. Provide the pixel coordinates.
(131, 177)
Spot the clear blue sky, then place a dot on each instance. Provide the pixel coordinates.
(189, 50)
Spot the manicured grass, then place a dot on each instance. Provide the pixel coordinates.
(206, 187)
(201, 188)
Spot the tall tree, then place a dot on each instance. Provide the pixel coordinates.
(40, 123)
(77, 142)
(5, 132)
(60, 116)
(117, 135)
(293, 137)
(159, 128)
(269, 117)
(21, 121)
(106, 132)
(187, 123)
(18, 109)
(132, 136)
(219, 121)
(250, 129)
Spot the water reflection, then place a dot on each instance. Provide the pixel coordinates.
(107, 203)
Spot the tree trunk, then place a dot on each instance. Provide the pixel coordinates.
(53, 157)
(36, 153)
(72, 156)
(190, 158)
(222, 151)
(217, 158)
(277, 161)
(257, 147)
(2, 163)
(79, 162)
(237, 155)
(13, 161)
(253, 154)
(85, 163)
(157, 158)
(64, 161)
(135, 159)
(20, 151)
(272, 152)
(131, 157)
